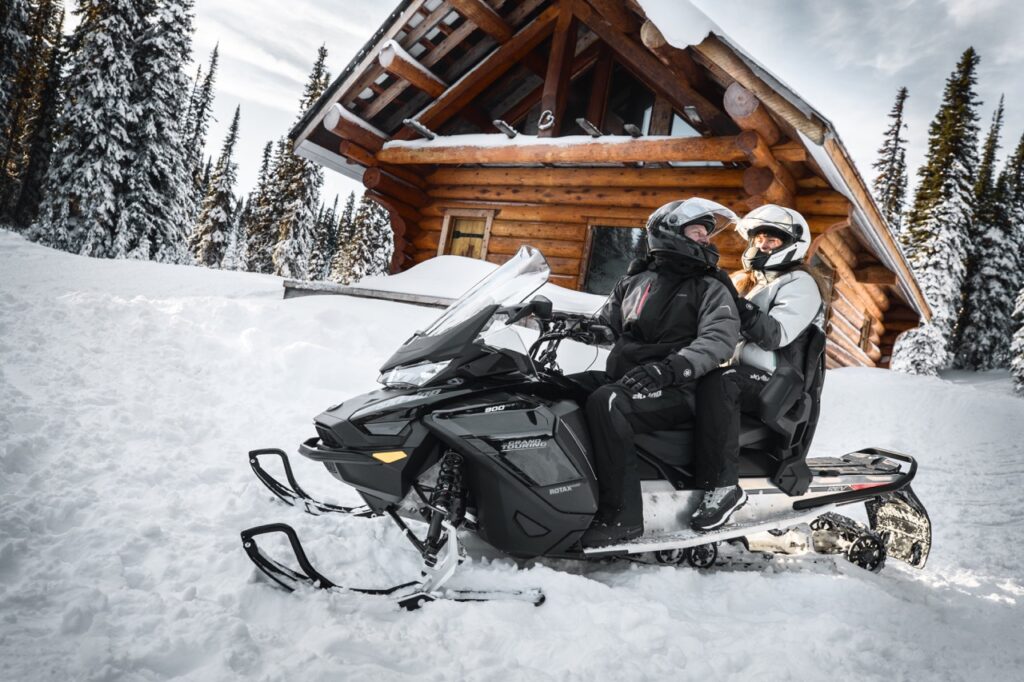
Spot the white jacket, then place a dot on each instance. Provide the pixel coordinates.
(792, 302)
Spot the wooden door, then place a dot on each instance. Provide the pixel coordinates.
(467, 237)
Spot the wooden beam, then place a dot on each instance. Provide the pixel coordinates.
(599, 84)
(661, 117)
(481, 14)
(407, 212)
(486, 72)
(631, 197)
(348, 126)
(364, 157)
(605, 150)
(655, 74)
(875, 274)
(389, 185)
(556, 80)
(823, 203)
(617, 216)
(692, 176)
(780, 187)
(677, 59)
(744, 108)
(615, 12)
(530, 230)
(402, 65)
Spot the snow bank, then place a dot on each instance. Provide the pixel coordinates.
(131, 392)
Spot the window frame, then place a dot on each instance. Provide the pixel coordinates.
(444, 242)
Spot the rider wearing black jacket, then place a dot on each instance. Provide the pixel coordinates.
(672, 321)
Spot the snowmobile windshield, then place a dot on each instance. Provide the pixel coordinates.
(512, 283)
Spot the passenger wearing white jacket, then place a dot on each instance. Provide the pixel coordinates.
(781, 300)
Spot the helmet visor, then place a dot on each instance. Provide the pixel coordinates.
(693, 210)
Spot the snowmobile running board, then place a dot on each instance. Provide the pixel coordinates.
(409, 596)
(292, 494)
(691, 538)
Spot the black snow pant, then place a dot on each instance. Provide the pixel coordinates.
(722, 395)
(614, 416)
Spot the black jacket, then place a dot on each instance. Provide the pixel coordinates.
(670, 308)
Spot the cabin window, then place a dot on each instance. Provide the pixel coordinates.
(465, 232)
(611, 250)
(629, 101)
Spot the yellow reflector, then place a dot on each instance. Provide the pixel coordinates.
(389, 457)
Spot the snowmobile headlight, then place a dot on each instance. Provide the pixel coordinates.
(413, 376)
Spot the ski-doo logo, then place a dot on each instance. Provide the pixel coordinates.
(522, 444)
(563, 489)
(495, 408)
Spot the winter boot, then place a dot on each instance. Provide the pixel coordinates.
(717, 506)
(613, 526)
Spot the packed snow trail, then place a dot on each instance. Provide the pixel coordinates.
(131, 392)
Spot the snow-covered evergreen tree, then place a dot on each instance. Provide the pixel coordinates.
(934, 238)
(234, 254)
(984, 329)
(210, 239)
(299, 183)
(1014, 171)
(1017, 345)
(36, 142)
(891, 182)
(157, 216)
(325, 242)
(340, 261)
(258, 220)
(197, 123)
(14, 46)
(368, 252)
(80, 207)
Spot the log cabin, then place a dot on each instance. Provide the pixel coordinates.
(482, 125)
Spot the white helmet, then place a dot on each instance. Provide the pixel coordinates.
(781, 222)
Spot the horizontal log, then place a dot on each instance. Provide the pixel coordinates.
(481, 14)
(744, 108)
(841, 247)
(629, 197)
(543, 213)
(823, 203)
(848, 335)
(779, 187)
(591, 177)
(566, 281)
(527, 230)
(376, 179)
(426, 240)
(875, 274)
(819, 224)
(407, 212)
(854, 312)
(559, 266)
(348, 126)
(811, 181)
(793, 152)
(851, 354)
(432, 223)
(401, 64)
(551, 248)
(363, 157)
(573, 149)
(844, 277)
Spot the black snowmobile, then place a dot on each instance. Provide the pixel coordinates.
(474, 433)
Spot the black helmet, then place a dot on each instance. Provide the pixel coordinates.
(665, 229)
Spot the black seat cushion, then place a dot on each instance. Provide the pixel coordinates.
(676, 447)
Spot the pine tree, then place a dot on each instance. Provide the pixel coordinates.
(38, 140)
(43, 32)
(340, 263)
(891, 182)
(210, 239)
(299, 183)
(234, 254)
(157, 215)
(80, 208)
(1017, 345)
(984, 329)
(199, 111)
(934, 239)
(1015, 192)
(325, 242)
(258, 221)
(14, 47)
(368, 252)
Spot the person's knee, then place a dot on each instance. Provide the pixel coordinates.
(606, 399)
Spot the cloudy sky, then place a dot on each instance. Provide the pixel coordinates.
(845, 57)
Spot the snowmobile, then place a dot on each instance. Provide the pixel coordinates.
(473, 433)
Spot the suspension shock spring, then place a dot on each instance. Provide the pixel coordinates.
(446, 500)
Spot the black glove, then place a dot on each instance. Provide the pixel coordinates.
(601, 334)
(748, 312)
(654, 376)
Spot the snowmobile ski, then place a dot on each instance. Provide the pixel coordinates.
(409, 596)
(292, 494)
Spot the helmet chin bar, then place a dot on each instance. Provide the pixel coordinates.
(782, 258)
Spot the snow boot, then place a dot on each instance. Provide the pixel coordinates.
(612, 526)
(717, 506)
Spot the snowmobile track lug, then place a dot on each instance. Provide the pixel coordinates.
(292, 494)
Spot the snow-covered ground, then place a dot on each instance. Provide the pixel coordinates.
(130, 393)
